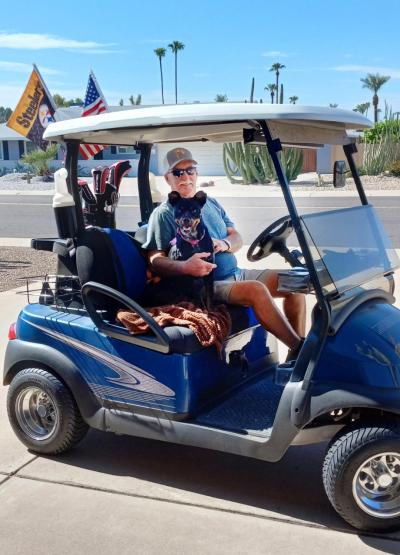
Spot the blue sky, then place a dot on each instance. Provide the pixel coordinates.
(326, 48)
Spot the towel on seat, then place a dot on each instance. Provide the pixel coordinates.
(211, 327)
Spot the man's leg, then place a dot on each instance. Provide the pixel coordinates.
(294, 304)
(257, 295)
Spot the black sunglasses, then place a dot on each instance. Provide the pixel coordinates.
(179, 173)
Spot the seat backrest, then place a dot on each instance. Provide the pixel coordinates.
(111, 257)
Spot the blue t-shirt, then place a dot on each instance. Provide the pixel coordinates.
(162, 229)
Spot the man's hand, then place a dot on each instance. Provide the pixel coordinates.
(197, 267)
(220, 245)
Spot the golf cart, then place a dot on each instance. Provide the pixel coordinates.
(70, 365)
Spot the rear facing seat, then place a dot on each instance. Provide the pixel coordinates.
(113, 258)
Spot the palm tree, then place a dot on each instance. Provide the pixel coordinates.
(374, 82)
(175, 46)
(135, 101)
(160, 53)
(221, 98)
(293, 99)
(363, 108)
(276, 67)
(333, 105)
(272, 90)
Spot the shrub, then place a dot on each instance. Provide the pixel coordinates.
(40, 159)
(395, 168)
(382, 129)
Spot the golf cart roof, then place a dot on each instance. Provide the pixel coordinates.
(217, 122)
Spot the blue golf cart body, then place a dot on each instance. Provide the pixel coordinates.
(163, 384)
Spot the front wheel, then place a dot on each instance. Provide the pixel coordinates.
(361, 475)
(43, 413)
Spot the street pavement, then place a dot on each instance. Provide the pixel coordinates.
(117, 494)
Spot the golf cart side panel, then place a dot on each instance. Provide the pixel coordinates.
(173, 383)
(365, 350)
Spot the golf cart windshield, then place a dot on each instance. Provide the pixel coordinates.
(349, 247)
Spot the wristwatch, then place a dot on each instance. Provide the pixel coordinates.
(228, 244)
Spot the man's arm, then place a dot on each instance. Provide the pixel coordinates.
(194, 266)
(233, 238)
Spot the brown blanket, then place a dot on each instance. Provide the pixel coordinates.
(211, 327)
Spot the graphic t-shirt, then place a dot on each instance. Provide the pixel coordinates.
(162, 229)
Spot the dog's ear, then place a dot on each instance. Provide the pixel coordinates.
(174, 197)
(201, 197)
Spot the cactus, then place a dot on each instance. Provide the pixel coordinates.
(281, 95)
(248, 164)
(252, 91)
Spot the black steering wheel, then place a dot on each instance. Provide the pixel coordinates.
(272, 239)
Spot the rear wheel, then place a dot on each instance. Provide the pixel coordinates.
(43, 413)
(361, 476)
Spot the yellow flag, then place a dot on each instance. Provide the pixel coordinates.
(34, 111)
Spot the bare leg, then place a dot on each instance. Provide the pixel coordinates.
(294, 304)
(256, 295)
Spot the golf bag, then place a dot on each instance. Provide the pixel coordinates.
(99, 205)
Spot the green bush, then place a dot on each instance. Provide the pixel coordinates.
(383, 129)
(40, 160)
(395, 168)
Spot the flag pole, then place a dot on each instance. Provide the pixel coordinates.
(46, 89)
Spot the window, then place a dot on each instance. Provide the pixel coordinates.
(1, 151)
(29, 147)
(125, 150)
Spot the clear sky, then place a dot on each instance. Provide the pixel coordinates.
(326, 46)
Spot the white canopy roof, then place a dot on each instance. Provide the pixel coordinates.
(218, 122)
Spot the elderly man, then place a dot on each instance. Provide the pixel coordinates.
(255, 288)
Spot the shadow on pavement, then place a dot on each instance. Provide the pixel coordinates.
(290, 488)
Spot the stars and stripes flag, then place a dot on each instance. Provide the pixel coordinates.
(95, 103)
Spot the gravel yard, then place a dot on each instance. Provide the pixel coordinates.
(20, 262)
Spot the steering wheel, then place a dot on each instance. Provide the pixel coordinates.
(272, 239)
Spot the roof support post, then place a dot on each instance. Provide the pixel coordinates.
(71, 165)
(145, 200)
(349, 150)
(274, 146)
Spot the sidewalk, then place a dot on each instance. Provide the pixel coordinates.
(117, 494)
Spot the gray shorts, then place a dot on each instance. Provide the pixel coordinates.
(222, 289)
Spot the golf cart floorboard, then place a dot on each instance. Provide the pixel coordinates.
(250, 410)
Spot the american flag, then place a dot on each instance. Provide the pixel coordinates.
(94, 104)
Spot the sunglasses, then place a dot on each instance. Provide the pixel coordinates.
(179, 173)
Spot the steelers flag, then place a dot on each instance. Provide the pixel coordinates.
(34, 111)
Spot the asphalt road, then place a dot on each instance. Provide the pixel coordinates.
(32, 216)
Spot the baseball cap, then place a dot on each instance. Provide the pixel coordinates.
(176, 155)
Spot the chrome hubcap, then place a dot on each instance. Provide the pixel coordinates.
(36, 413)
(376, 485)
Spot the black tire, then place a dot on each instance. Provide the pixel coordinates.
(350, 490)
(43, 412)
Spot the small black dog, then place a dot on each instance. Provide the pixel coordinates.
(191, 236)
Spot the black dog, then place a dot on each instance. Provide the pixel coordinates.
(191, 236)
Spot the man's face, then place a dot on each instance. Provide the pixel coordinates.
(184, 184)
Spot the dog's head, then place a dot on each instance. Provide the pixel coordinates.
(187, 212)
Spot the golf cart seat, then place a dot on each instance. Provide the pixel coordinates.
(111, 257)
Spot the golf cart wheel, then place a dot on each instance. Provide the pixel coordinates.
(361, 475)
(43, 413)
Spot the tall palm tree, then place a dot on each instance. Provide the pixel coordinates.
(271, 88)
(374, 82)
(363, 108)
(293, 99)
(175, 46)
(276, 67)
(160, 53)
